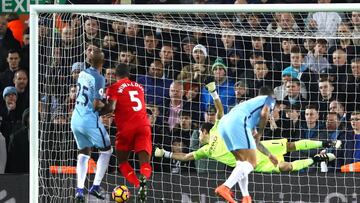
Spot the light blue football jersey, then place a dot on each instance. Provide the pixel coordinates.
(251, 109)
(90, 86)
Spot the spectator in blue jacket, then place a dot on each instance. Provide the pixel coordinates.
(225, 87)
(156, 86)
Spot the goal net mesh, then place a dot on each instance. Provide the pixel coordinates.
(250, 50)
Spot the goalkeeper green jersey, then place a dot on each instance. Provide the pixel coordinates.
(216, 149)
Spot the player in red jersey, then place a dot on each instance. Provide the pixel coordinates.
(126, 99)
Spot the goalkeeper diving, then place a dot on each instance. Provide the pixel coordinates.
(215, 148)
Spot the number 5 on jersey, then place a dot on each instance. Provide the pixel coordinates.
(133, 98)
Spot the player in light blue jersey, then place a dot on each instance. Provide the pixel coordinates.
(237, 128)
(87, 128)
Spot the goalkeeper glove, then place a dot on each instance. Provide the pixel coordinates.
(211, 87)
(162, 153)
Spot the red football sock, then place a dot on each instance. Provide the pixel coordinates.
(128, 172)
(145, 169)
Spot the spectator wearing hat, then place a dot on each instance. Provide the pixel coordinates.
(11, 115)
(225, 87)
(76, 68)
(280, 91)
(236, 63)
(305, 75)
(317, 60)
(197, 71)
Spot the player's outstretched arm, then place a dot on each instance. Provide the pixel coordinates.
(177, 156)
(211, 87)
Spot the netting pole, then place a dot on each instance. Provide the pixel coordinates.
(34, 116)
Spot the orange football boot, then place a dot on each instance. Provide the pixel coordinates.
(246, 199)
(225, 193)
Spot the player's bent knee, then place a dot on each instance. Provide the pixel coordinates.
(285, 166)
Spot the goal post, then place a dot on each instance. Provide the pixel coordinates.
(106, 12)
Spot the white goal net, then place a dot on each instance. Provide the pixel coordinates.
(309, 59)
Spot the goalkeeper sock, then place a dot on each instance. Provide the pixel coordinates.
(301, 164)
(307, 144)
(102, 165)
(81, 169)
(128, 172)
(145, 169)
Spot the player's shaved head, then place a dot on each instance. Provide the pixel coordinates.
(122, 70)
(266, 91)
(96, 57)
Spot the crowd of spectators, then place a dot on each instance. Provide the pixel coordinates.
(315, 79)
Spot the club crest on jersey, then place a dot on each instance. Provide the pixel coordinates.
(101, 93)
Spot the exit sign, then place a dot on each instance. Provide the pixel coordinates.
(19, 6)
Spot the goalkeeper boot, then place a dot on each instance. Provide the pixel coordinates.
(79, 196)
(142, 194)
(96, 191)
(332, 144)
(225, 192)
(324, 157)
(246, 199)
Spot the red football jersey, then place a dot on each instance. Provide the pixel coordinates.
(130, 111)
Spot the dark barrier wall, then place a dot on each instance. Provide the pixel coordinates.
(14, 188)
(200, 188)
